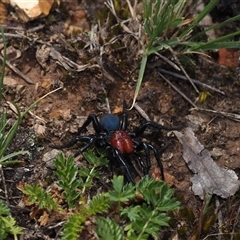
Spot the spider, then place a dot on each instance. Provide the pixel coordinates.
(111, 134)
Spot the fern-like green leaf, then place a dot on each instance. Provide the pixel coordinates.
(86, 172)
(98, 204)
(7, 223)
(131, 235)
(121, 192)
(148, 218)
(131, 212)
(108, 229)
(95, 160)
(73, 226)
(144, 224)
(10, 224)
(69, 180)
(3, 230)
(4, 210)
(39, 196)
(118, 182)
(157, 194)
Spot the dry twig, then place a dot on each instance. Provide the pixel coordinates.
(193, 80)
(178, 91)
(183, 70)
(232, 116)
(14, 69)
(142, 112)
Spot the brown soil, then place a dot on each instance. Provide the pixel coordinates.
(57, 117)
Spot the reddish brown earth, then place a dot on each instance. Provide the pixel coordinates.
(58, 116)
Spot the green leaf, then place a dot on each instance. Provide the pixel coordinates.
(90, 157)
(4, 210)
(40, 197)
(158, 194)
(199, 17)
(84, 172)
(133, 236)
(9, 135)
(131, 212)
(161, 219)
(69, 180)
(147, 218)
(98, 204)
(73, 226)
(118, 182)
(149, 222)
(121, 192)
(108, 229)
(5, 159)
(140, 78)
(7, 223)
(10, 225)
(94, 160)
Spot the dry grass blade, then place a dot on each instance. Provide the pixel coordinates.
(14, 69)
(197, 82)
(178, 91)
(232, 116)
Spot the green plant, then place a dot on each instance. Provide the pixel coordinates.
(120, 201)
(40, 197)
(6, 136)
(121, 193)
(7, 133)
(143, 220)
(75, 224)
(96, 162)
(74, 184)
(159, 18)
(108, 229)
(166, 27)
(69, 180)
(7, 223)
(73, 181)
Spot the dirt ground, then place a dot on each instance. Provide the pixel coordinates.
(103, 85)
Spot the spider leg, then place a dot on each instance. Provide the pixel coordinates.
(96, 125)
(89, 140)
(157, 154)
(145, 166)
(121, 160)
(71, 143)
(140, 130)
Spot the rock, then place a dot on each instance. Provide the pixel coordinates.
(10, 82)
(49, 158)
(29, 10)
